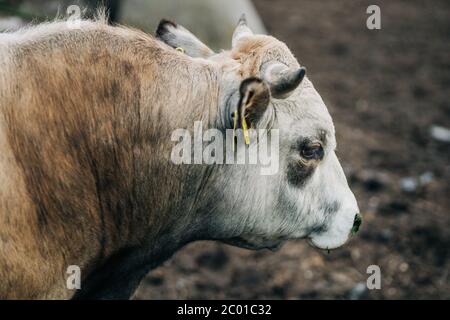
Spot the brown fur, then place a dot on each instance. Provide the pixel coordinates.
(82, 115)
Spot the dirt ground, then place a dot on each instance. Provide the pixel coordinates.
(385, 89)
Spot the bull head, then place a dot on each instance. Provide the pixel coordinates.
(261, 79)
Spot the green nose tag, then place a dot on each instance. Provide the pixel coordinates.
(356, 224)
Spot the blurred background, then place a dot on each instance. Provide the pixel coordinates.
(388, 93)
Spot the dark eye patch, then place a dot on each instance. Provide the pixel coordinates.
(300, 168)
(298, 172)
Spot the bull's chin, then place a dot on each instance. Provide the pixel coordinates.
(273, 245)
(327, 243)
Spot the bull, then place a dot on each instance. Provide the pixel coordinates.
(86, 178)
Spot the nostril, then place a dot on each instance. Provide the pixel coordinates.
(356, 223)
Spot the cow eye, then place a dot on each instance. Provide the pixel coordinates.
(313, 151)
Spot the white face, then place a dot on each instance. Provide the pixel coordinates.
(316, 185)
(309, 196)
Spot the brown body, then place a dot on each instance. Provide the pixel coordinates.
(84, 178)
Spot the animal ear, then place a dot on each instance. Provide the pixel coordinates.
(177, 36)
(254, 100)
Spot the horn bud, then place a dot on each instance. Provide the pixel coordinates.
(281, 79)
(241, 31)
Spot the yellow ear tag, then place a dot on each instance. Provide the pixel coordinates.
(179, 49)
(245, 130)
